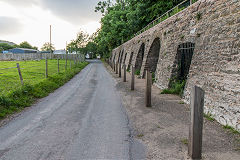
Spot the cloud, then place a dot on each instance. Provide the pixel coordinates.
(73, 11)
(9, 25)
(24, 3)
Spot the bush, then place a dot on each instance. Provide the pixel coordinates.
(176, 88)
(153, 77)
(137, 72)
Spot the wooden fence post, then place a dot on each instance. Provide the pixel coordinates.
(124, 73)
(120, 70)
(132, 78)
(70, 62)
(66, 58)
(58, 65)
(76, 59)
(20, 74)
(46, 71)
(196, 126)
(148, 93)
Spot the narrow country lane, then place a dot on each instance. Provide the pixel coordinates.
(84, 119)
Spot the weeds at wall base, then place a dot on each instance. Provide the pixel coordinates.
(176, 88)
(231, 129)
(26, 95)
(209, 117)
(137, 72)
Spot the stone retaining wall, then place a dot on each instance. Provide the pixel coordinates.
(214, 27)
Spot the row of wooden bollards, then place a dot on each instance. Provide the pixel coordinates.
(196, 105)
(118, 70)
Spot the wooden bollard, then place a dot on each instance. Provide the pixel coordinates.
(120, 70)
(124, 73)
(148, 93)
(196, 126)
(46, 71)
(19, 73)
(117, 68)
(132, 78)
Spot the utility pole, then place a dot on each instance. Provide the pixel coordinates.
(66, 58)
(51, 40)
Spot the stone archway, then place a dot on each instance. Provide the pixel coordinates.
(121, 56)
(182, 62)
(125, 58)
(130, 61)
(139, 59)
(153, 56)
(114, 57)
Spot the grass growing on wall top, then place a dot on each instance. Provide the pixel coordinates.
(35, 86)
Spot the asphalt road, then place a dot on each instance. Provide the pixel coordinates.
(84, 119)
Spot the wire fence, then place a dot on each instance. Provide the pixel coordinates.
(14, 74)
(166, 15)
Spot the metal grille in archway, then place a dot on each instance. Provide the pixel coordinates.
(184, 53)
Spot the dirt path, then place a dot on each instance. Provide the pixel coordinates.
(164, 127)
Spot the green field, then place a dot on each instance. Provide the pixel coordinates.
(14, 96)
(33, 72)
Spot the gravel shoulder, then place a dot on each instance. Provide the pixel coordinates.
(164, 127)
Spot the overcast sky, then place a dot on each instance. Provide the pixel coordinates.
(29, 20)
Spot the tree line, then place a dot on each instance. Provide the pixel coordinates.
(25, 44)
(121, 19)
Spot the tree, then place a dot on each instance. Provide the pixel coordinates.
(25, 44)
(47, 47)
(1, 49)
(91, 47)
(5, 46)
(79, 43)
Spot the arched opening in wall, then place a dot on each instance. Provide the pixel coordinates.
(181, 67)
(114, 57)
(130, 61)
(185, 53)
(125, 58)
(152, 57)
(139, 59)
(121, 56)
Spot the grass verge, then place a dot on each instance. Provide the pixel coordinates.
(26, 95)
